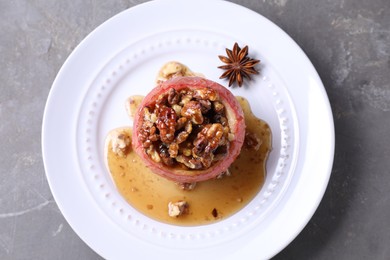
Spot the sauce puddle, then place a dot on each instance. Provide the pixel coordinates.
(209, 201)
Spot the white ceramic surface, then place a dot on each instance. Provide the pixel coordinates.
(121, 58)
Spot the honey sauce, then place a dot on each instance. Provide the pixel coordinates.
(209, 201)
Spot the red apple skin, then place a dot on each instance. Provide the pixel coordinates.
(235, 117)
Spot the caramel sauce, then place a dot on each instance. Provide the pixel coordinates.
(211, 200)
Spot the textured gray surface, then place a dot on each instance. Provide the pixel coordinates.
(348, 41)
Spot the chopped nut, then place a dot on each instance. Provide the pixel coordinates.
(199, 145)
(188, 127)
(177, 109)
(192, 110)
(148, 118)
(173, 96)
(215, 130)
(185, 98)
(206, 94)
(181, 122)
(120, 143)
(176, 209)
(208, 140)
(162, 100)
(152, 134)
(173, 150)
(153, 118)
(181, 137)
(190, 163)
(186, 151)
(166, 124)
(151, 151)
(164, 154)
(218, 107)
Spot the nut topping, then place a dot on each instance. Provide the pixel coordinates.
(164, 155)
(209, 139)
(181, 122)
(151, 151)
(166, 123)
(193, 163)
(173, 97)
(193, 111)
(173, 150)
(187, 127)
(186, 97)
(176, 209)
(218, 107)
(206, 94)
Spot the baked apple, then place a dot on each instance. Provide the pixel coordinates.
(188, 129)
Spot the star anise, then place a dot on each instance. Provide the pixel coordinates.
(238, 65)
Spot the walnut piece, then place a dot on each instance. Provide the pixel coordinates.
(163, 151)
(176, 209)
(191, 163)
(206, 94)
(120, 143)
(173, 150)
(166, 122)
(207, 141)
(152, 152)
(173, 97)
(192, 110)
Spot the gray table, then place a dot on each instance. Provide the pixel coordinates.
(348, 42)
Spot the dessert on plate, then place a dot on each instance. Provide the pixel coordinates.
(195, 154)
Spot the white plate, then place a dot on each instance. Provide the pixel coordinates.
(121, 58)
